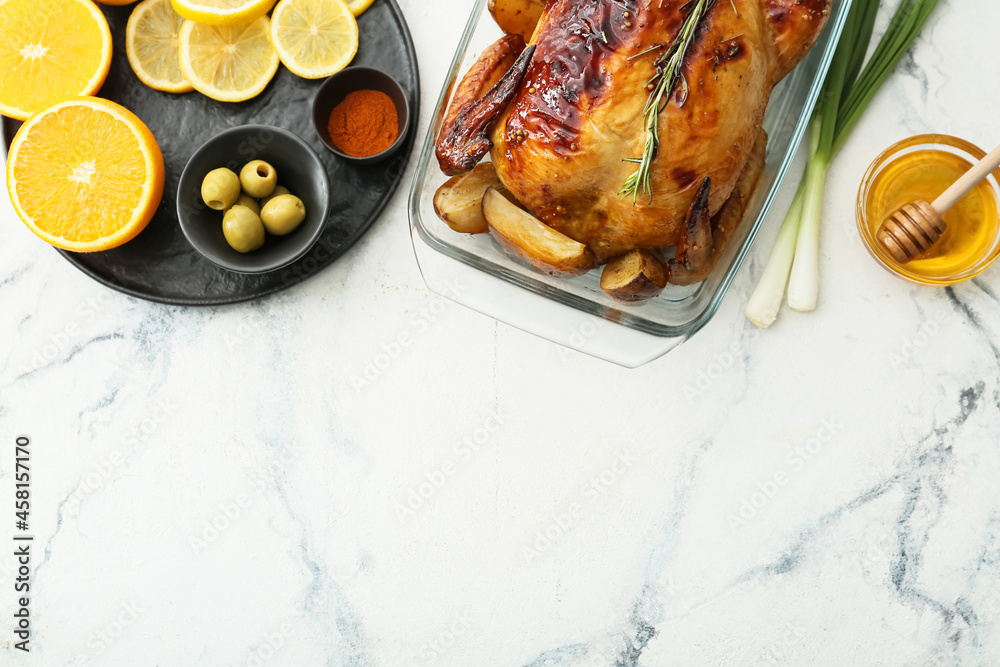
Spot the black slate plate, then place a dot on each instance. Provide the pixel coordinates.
(160, 265)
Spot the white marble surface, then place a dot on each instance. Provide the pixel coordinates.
(858, 442)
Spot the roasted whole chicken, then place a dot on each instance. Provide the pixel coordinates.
(562, 110)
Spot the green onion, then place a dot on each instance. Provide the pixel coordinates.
(803, 286)
(765, 302)
(844, 100)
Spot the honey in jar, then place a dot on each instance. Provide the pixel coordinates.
(923, 168)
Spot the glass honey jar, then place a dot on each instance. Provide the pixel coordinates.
(923, 167)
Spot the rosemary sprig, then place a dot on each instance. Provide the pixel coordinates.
(668, 75)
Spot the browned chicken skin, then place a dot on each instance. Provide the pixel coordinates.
(568, 119)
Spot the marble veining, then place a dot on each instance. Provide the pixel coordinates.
(285, 483)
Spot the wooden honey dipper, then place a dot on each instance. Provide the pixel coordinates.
(915, 228)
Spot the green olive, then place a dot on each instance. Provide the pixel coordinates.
(220, 189)
(249, 202)
(283, 214)
(243, 229)
(258, 178)
(278, 191)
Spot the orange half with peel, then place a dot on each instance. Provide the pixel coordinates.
(50, 50)
(85, 174)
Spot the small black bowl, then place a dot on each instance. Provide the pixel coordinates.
(299, 169)
(350, 80)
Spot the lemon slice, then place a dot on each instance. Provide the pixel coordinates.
(314, 38)
(228, 63)
(151, 45)
(358, 7)
(222, 12)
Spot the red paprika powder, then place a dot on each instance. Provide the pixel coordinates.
(364, 124)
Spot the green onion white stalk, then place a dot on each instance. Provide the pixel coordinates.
(846, 94)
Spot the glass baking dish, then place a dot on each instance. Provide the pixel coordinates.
(574, 312)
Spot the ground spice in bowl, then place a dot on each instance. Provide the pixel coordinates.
(364, 124)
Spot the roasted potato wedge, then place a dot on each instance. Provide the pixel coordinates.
(524, 235)
(636, 276)
(517, 17)
(459, 202)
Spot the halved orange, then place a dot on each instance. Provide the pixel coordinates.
(50, 50)
(85, 174)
